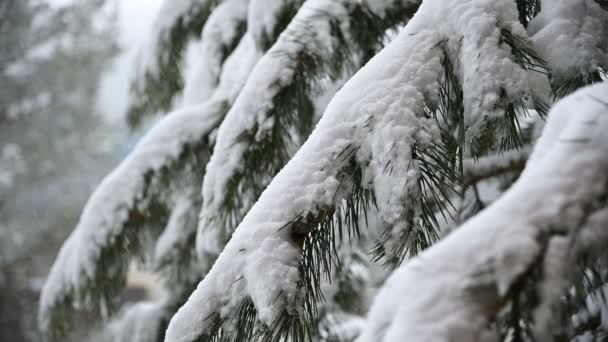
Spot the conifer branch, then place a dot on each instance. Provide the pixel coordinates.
(160, 77)
(128, 210)
(485, 266)
(476, 170)
(276, 306)
(164, 167)
(564, 62)
(298, 64)
(221, 34)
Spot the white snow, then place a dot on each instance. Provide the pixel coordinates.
(170, 14)
(182, 222)
(487, 165)
(377, 114)
(139, 322)
(262, 17)
(571, 36)
(220, 32)
(450, 291)
(308, 31)
(106, 212)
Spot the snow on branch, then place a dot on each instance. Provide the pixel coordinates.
(572, 37)
(275, 112)
(153, 187)
(475, 170)
(130, 204)
(557, 209)
(158, 76)
(267, 19)
(379, 143)
(222, 32)
(156, 184)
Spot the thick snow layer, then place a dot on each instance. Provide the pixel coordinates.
(274, 71)
(139, 322)
(170, 12)
(376, 117)
(158, 48)
(263, 15)
(106, 212)
(452, 290)
(308, 31)
(571, 36)
(221, 32)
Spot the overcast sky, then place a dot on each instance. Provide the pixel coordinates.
(135, 18)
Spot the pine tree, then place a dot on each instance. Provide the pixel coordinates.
(309, 207)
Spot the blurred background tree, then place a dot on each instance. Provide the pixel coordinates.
(54, 146)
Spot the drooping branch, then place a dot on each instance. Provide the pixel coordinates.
(152, 188)
(275, 112)
(129, 206)
(158, 77)
(555, 210)
(369, 147)
(572, 37)
(139, 192)
(221, 34)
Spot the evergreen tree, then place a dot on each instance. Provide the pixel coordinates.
(309, 207)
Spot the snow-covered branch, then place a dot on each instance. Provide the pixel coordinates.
(156, 186)
(475, 170)
(369, 147)
(157, 77)
(122, 210)
(144, 189)
(275, 112)
(572, 37)
(557, 208)
(221, 34)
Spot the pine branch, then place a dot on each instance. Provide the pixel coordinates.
(221, 34)
(152, 174)
(147, 180)
(128, 209)
(527, 9)
(581, 306)
(174, 254)
(439, 168)
(563, 59)
(565, 85)
(501, 130)
(160, 77)
(476, 170)
(318, 234)
(289, 78)
(377, 143)
(476, 269)
(603, 4)
(266, 32)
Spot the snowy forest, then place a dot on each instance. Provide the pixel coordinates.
(307, 170)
